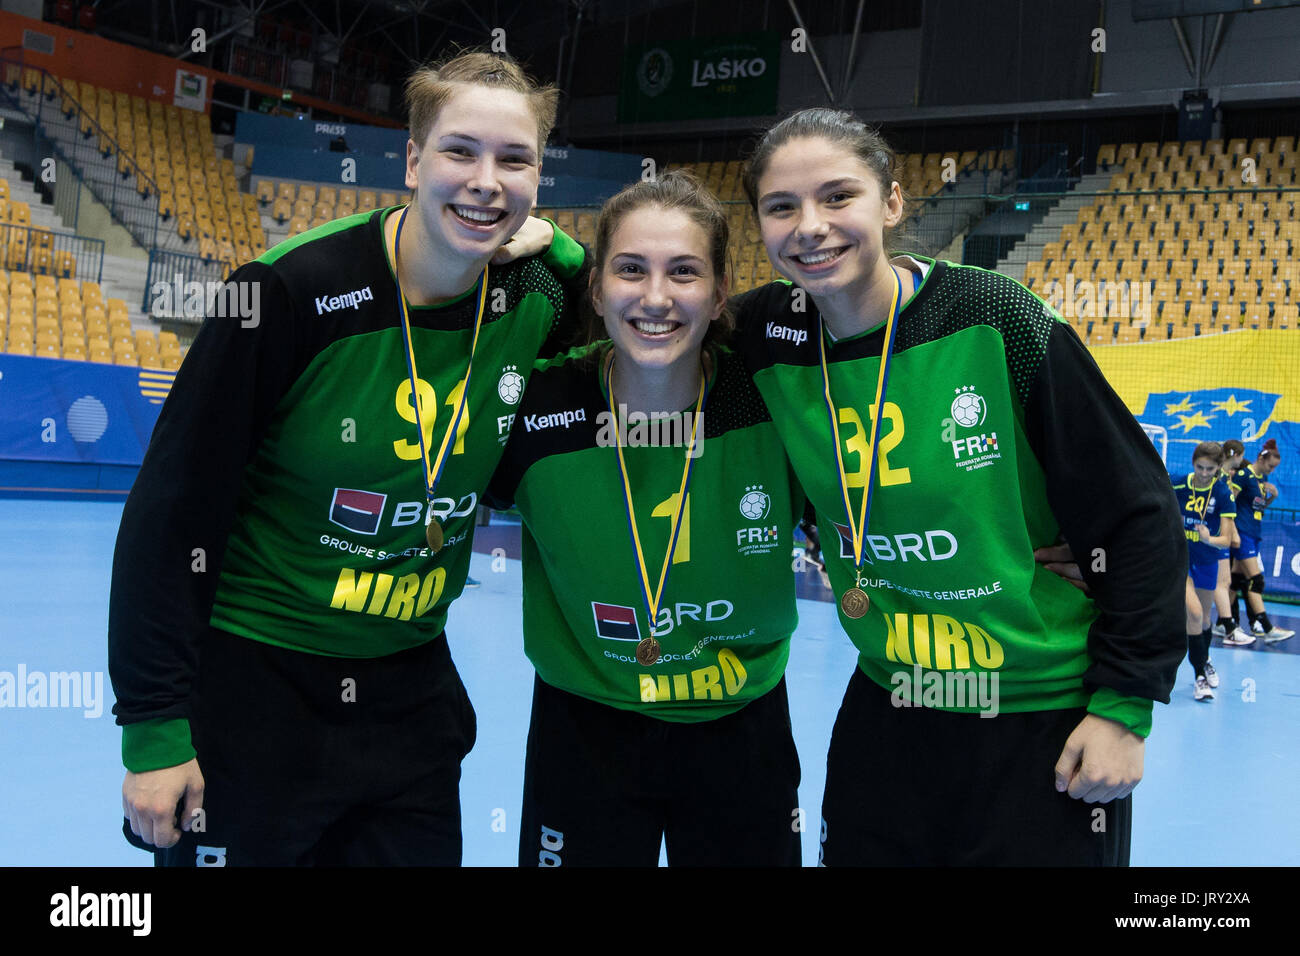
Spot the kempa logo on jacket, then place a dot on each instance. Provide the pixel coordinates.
(344, 300)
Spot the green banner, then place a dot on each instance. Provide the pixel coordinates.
(700, 78)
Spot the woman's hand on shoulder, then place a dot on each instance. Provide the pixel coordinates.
(533, 238)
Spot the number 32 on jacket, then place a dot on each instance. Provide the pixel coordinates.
(858, 445)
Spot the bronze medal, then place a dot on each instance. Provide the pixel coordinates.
(854, 603)
(433, 534)
(647, 652)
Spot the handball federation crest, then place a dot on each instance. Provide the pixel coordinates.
(968, 408)
(510, 386)
(755, 503)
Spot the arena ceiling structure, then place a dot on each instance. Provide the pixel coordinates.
(387, 38)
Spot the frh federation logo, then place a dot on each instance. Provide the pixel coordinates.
(615, 622)
(755, 503)
(358, 511)
(976, 451)
(510, 386)
(968, 408)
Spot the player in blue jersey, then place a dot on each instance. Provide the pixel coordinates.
(1208, 512)
(1225, 598)
(1248, 571)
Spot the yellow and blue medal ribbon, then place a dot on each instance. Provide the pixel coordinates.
(647, 651)
(854, 602)
(433, 471)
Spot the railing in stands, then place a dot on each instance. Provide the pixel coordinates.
(134, 207)
(20, 245)
(1008, 219)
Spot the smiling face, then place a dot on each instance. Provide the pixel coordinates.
(1206, 470)
(476, 175)
(823, 216)
(657, 290)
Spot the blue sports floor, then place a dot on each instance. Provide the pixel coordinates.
(1221, 786)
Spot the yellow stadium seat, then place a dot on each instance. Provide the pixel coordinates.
(64, 264)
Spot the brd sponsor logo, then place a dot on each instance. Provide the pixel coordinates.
(362, 511)
(935, 545)
(618, 622)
